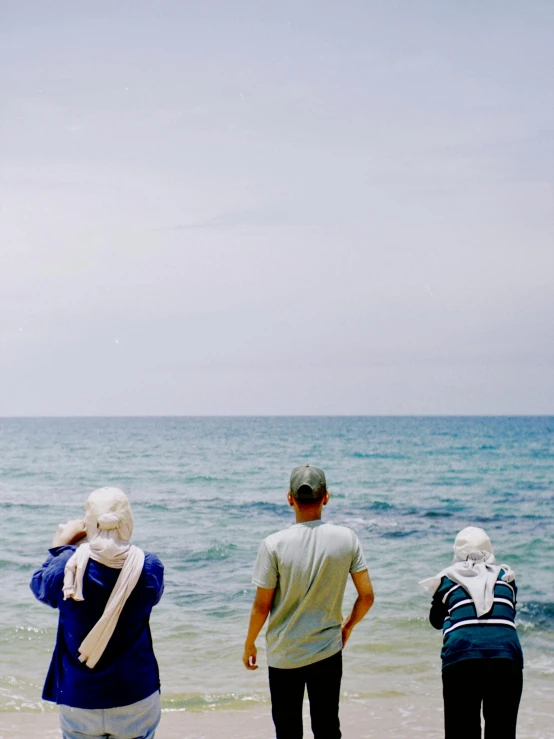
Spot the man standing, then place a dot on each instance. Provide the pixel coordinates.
(301, 575)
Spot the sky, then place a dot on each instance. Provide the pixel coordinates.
(276, 208)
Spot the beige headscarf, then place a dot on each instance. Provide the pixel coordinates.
(109, 525)
(474, 568)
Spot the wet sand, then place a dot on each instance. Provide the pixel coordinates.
(376, 719)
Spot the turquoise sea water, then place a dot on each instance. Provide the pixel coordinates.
(205, 491)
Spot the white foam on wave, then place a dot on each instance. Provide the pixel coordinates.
(543, 664)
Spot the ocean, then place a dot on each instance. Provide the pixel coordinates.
(205, 491)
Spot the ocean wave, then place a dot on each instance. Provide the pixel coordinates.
(399, 533)
(213, 553)
(276, 509)
(378, 455)
(18, 566)
(379, 505)
(541, 454)
(456, 481)
(32, 506)
(203, 478)
(539, 614)
(203, 701)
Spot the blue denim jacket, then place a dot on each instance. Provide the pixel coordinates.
(127, 672)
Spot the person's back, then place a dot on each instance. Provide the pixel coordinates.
(308, 565)
(474, 604)
(301, 574)
(103, 673)
(129, 651)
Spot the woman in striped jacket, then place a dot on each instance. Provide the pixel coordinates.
(474, 603)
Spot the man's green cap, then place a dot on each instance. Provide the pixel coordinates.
(307, 482)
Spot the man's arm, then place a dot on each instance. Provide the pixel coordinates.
(260, 611)
(363, 603)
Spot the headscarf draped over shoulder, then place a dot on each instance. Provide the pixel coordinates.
(474, 568)
(109, 525)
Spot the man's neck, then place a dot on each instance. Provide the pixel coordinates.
(306, 515)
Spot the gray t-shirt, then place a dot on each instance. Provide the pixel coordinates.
(308, 564)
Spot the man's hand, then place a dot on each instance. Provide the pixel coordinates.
(260, 611)
(346, 630)
(69, 533)
(363, 603)
(249, 656)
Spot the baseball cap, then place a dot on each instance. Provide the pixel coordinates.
(307, 482)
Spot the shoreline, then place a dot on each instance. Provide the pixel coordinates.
(380, 718)
(358, 721)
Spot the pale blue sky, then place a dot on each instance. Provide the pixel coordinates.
(281, 208)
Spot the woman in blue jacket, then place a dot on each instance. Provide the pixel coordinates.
(103, 672)
(474, 603)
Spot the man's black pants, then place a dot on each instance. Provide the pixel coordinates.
(287, 694)
(494, 683)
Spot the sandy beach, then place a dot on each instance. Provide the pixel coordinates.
(376, 719)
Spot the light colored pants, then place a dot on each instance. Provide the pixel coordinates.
(137, 721)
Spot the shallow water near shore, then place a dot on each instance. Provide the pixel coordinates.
(205, 491)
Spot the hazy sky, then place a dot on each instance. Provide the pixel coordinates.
(276, 207)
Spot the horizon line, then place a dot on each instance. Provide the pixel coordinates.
(277, 415)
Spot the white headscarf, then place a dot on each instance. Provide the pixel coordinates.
(109, 524)
(474, 568)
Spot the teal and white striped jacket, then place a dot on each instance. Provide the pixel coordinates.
(465, 636)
